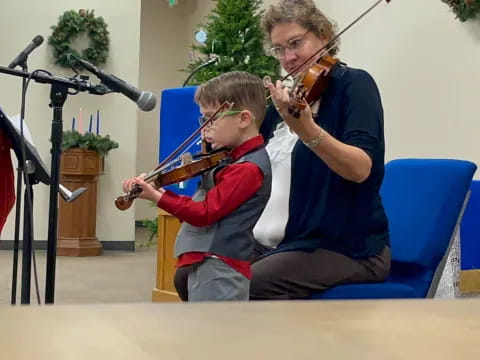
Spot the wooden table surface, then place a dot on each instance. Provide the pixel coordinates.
(386, 330)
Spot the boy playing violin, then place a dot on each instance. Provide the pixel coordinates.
(216, 239)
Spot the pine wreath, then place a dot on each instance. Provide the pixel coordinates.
(69, 26)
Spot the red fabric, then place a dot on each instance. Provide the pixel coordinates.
(7, 188)
(234, 185)
(243, 267)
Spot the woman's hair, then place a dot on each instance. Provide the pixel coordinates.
(245, 90)
(304, 13)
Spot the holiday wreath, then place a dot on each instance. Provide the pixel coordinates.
(69, 26)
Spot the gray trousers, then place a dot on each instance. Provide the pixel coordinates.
(211, 280)
(297, 274)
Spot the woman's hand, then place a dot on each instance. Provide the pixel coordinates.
(304, 125)
(350, 162)
(149, 192)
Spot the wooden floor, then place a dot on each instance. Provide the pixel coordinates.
(373, 330)
(116, 276)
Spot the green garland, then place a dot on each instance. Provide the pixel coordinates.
(464, 9)
(88, 141)
(69, 26)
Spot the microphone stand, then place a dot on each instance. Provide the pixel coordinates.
(27, 217)
(197, 69)
(58, 95)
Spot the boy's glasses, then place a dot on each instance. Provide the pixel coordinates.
(204, 119)
(294, 45)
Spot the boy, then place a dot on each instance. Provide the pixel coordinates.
(216, 239)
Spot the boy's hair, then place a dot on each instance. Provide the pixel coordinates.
(245, 90)
(304, 13)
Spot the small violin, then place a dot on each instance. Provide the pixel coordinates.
(188, 169)
(185, 167)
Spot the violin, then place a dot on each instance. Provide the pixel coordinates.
(188, 169)
(183, 168)
(310, 87)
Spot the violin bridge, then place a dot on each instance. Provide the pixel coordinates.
(186, 158)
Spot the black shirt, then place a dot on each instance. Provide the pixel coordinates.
(326, 210)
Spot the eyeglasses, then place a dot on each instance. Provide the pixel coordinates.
(204, 119)
(294, 45)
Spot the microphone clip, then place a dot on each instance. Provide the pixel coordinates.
(95, 89)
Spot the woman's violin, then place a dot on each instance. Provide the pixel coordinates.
(309, 87)
(185, 167)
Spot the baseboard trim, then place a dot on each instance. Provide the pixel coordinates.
(107, 245)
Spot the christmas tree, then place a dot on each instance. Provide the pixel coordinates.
(464, 9)
(235, 37)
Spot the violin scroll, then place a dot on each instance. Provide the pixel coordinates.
(124, 202)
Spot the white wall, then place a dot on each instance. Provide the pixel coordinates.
(426, 65)
(20, 21)
(166, 36)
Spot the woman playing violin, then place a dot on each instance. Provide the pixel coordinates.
(337, 229)
(216, 240)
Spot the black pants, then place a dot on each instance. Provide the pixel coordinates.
(298, 274)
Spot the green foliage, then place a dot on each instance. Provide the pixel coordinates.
(235, 35)
(464, 9)
(152, 226)
(88, 141)
(69, 26)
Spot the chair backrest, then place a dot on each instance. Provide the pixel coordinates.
(178, 119)
(423, 199)
(470, 230)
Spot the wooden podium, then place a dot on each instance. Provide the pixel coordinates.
(77, 220)
(168, 227)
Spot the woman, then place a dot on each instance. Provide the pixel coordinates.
(337, 229)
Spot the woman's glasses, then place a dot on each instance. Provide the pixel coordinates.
(294, 45)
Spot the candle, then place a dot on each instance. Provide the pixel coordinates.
(98, 122)
(90, 124)
(73, 124)
(80, 122)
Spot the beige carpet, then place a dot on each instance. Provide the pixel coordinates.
(116, 276)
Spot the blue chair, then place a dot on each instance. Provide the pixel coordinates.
(178, 119)
(470, 230)
(424, 201)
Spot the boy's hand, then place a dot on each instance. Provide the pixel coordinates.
(149, 192)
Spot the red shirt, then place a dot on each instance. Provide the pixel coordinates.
(234, 185)
(7, 189)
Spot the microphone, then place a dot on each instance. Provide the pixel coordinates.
(144, 99)
(36, 42)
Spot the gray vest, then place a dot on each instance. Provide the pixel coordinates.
(231, 236)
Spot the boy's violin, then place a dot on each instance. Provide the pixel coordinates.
(186, 166)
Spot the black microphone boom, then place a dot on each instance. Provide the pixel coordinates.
(36, 42)
(144, 99)
(211, 61)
